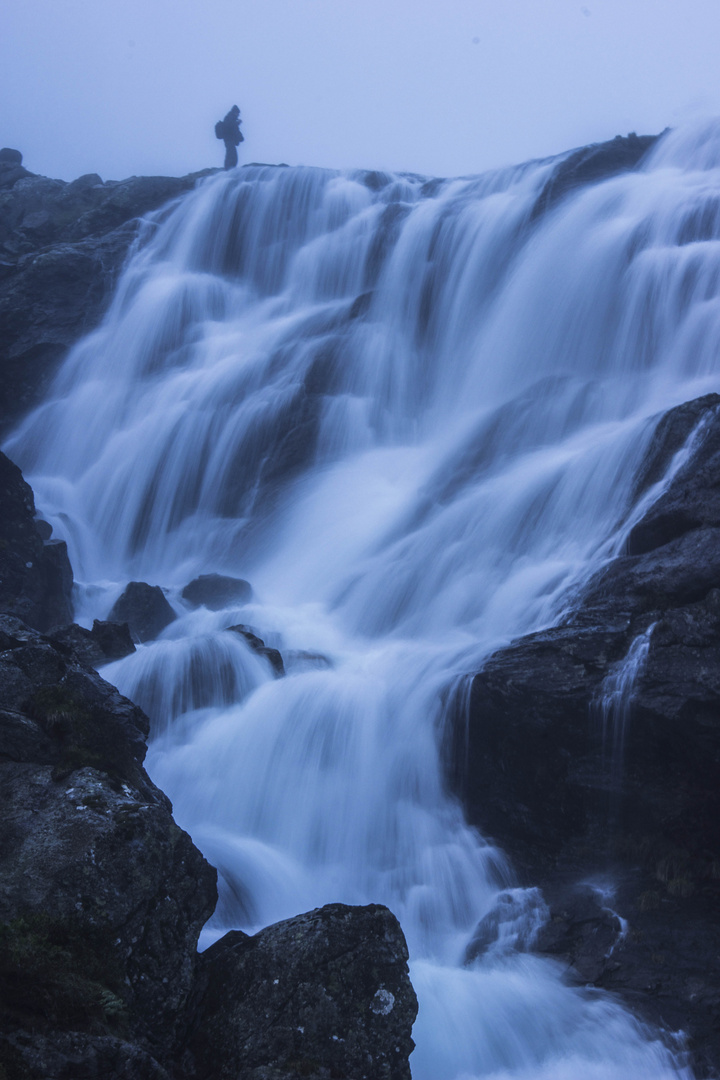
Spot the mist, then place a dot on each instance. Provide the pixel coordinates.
(444, 88)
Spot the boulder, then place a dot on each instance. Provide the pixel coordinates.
(10, 157)
(323, 995)
(35, 577)
(217, 591)
(144, 608)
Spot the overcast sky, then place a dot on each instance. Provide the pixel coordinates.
(445, 87)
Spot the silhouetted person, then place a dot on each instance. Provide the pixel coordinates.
(232, 136)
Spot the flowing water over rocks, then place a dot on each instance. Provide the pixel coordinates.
(420, 419)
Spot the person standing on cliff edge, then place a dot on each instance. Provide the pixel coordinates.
(228, 129)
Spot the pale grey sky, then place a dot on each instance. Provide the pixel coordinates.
(436, 86)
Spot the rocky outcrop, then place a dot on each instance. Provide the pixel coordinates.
(103, 895)
(144, 608)
(35, 574)
(61, 249)
(576, 781)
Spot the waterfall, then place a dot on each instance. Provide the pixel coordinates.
(410, 413)
(616, 694)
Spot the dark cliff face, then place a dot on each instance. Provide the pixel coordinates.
(103, 895)
(35, 574)
(528, 759)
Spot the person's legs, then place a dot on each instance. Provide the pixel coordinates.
(231, 158)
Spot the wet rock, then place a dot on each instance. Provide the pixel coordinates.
(582, 931)
(103, 895)
(217, 591)
(145, 609)
(513, 924)
(591, 164)
(10, 157)
(35, 578)
(525, 750)
(692, 501)
(323, 995)
(105, 642)
(61, 249)
(273, 656)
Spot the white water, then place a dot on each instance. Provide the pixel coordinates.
(616, 694)
(406, 490)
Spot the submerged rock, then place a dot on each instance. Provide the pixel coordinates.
(217, 591)
(273, 656)
(145, 609)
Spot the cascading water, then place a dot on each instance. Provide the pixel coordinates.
(615, 706)
(410, 413)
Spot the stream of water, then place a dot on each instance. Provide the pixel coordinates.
(410, 413)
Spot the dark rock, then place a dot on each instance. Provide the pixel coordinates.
(273, 656)
(520, 765)
(524, 750)
(512, 925)
(144, 608)
(591, 164)
(692, 500)
(35, 578)
(84, 182)
(10, 157)
(216, 591)
(10, 174)
(51, 299)
(103, 895)
(105, 642)
(62, 246)
(323, 995)
(113, 639)
(581, 930)
(375, 180)
(44, 528)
